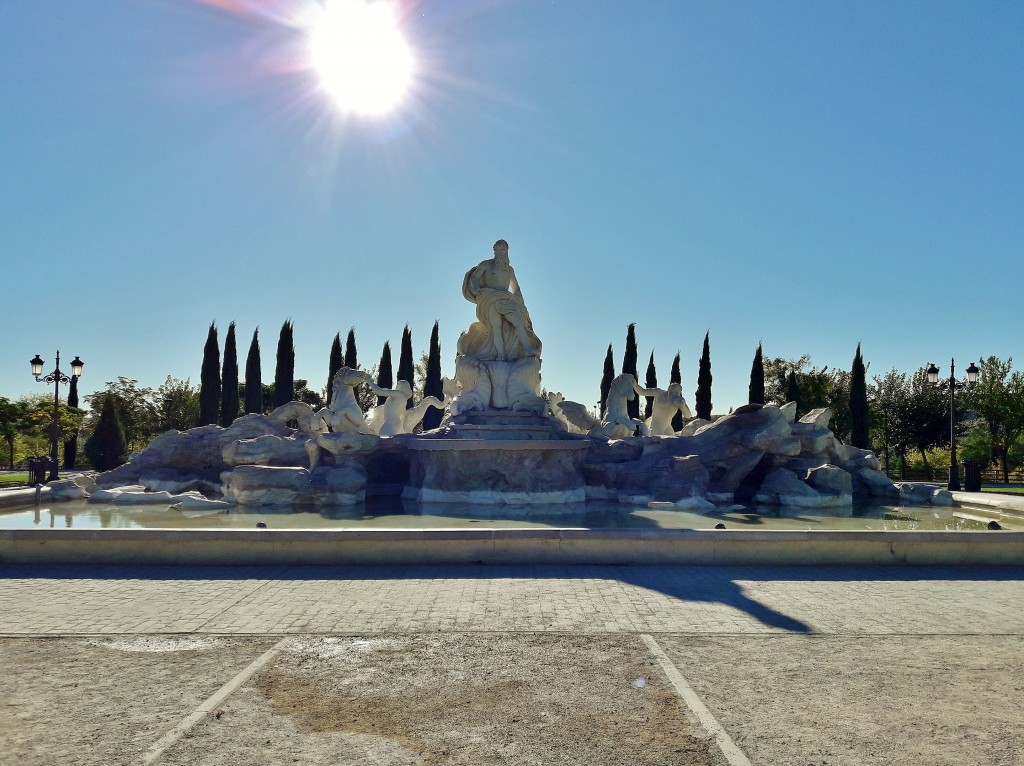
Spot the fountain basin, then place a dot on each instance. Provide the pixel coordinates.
(496, 472)
(232, 547)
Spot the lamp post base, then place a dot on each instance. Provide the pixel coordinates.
(954, 479)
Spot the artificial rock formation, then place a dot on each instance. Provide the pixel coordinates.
(499, 444)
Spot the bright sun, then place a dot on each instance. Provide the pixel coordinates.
(361, 56)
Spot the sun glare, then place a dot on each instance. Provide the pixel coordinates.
(359, 53)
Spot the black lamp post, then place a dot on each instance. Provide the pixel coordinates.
(56, 377)
(933, 377)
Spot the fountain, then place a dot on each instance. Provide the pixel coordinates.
(501, 441)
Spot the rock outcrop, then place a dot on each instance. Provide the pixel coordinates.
(758, 453)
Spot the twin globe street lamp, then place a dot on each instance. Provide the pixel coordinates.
(56, 377)
(933, 377)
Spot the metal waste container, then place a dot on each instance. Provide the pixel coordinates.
(972, 476)
(37, 469)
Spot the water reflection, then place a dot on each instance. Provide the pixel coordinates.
(392, 513)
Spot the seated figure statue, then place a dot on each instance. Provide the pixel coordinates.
(504, 330)
(666, 404)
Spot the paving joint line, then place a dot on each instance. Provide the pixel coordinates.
(705, 718)
(211, 703)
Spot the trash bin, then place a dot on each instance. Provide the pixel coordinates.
(37, 469)
(972, 476)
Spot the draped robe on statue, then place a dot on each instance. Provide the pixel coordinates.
(504, 330)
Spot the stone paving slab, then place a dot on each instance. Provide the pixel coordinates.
(865, 700)
(367, 600)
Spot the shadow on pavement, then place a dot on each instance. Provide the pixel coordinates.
(692, 584)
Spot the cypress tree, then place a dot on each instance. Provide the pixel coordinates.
(675, 376)
(209, 380)
(756, 388)
(859, 436)
(253, 376)
(284, 374)
(793, 390)
(384, 377)
(106, 448)
(433, 385)
(651, 381)
(629, 366)
(703, 397)
(229, 380)
(350, 350)
(406, 370)
(333, 365)
(606, 379)
(71, 445)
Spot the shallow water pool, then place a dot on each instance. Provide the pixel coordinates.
(398, 514)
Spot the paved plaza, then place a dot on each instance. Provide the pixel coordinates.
(507, 665)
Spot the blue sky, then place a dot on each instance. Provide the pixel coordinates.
(811, 175)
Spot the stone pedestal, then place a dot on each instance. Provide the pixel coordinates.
(503, 425)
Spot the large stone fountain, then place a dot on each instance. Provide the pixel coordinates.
(501, 441)
(498, 443)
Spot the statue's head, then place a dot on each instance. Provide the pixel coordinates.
(502, 247)
(404, 387)
(675, 389)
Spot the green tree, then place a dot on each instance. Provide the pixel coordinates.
(301, 392)
(177, 404)
(702, 400)
(859, 426)
(406, 367)
(136, 410)
(629, 362)
(351, 357)
(14, 420)
(676, 376)
(838, 400)
(106, 448)
(607, 376)
(36, 434)
(433, 384)
(284, 374)
(976, 443)
(253, 376)
(889, 402)
(209, 380)
(926, 415)
(333, 364)
(384, 374)
(792, 392)
(71, 444)
(229, 380)
(755, 391)
(998, 397)
(797, 380)
(650, 381)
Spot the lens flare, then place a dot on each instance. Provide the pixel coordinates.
(361, 56)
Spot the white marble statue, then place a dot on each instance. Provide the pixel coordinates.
(388, 418)
(667, 402)
(555, 400)
(392, 417)
(497, 363)
(504, 330)
(311, 422)
(343, 412)
(616, 424)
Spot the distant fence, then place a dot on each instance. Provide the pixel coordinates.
(941, 473)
